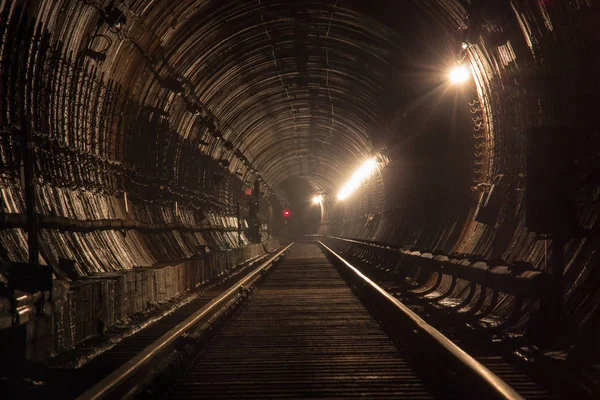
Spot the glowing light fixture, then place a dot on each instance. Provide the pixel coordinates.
(459, 74)
(318, 199)
(365, 171)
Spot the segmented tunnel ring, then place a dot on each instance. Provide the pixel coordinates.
(148, 149)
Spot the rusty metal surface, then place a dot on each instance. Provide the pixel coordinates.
(304, 334)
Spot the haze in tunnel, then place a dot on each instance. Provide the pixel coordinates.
(132, 133)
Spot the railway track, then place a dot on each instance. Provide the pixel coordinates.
(303, 323)
(304, 334)
(89, 365)
(301, 331)
(495, 356)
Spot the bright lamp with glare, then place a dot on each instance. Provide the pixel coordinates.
(365, 171)
(317, 199)
(459, 74)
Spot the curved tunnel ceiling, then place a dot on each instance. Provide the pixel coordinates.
(298, 87)
(299, 93)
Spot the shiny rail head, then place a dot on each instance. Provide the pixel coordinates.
(497, 386)
(124, 374)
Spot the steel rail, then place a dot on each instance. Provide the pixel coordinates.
(121, 375)
(496, 385)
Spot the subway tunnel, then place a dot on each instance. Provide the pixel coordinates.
(152, 150)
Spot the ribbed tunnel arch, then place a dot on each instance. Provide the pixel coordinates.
(269, 72)
(136, 132)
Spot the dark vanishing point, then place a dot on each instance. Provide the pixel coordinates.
(292, 199)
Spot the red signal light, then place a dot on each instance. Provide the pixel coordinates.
(286, 213)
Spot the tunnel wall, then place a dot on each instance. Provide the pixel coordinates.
(534, 64)
(108, 149)
(97, 304)
(103, 152)
(122, 125)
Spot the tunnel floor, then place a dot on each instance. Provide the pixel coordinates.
(304, 334)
